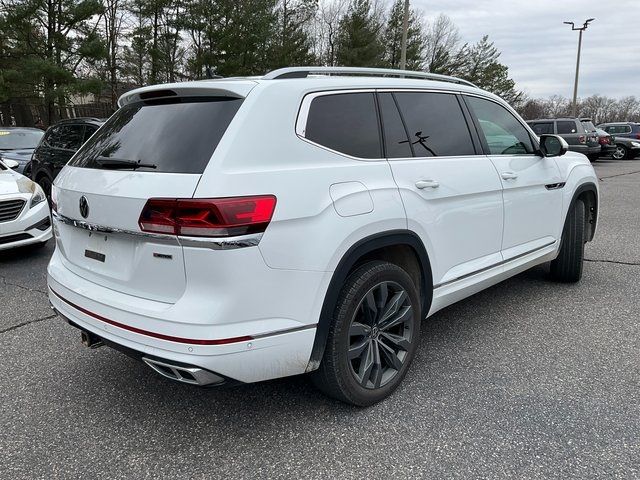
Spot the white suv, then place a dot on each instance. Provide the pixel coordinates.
(244, 229)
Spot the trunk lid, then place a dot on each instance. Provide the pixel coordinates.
(107, 247)
(155, 146)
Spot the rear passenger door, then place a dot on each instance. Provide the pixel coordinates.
(532, 184)
(451, 193)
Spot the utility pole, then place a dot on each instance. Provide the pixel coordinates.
(405, 27)
(575, 84)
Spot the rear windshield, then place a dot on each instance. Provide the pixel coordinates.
(170, 136)
(589, 126)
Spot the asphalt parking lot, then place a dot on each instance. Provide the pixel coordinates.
(529, 379)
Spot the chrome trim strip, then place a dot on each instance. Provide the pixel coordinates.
(227, 243)
(230, 243)
(286, 330)
(475, 272)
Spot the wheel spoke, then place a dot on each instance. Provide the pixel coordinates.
(393, 305)
(370, 309)
(390, 356)
(358, 349)
(358, 329)
(376, 374)
(383, 294)
(364, 372)
(397, 341)
(399, 318)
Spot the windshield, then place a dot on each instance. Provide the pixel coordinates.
(18, 139)
(589, 126)
(172, 136)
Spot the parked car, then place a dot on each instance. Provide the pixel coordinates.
(620, 148)
(240, 230)
(57, 147)
(622, 129)
(18, 143)
(573, 131)
(24, 212)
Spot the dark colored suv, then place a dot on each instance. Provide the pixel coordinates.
(57, 147)
(622, 129)
(573, 131)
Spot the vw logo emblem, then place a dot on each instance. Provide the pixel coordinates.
(84, 207)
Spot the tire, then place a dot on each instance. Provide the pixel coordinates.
(567, 267)
(620, 153)
(46, 183)
(382, 347)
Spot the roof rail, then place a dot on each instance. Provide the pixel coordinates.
(303, 72)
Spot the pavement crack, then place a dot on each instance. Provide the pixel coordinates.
(611, 261)
(17, 285)
(28, 322)
(618, 175)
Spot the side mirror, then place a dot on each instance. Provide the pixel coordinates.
(12, 164)
(553, 145)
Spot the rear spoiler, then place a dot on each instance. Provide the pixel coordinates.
(207, 88)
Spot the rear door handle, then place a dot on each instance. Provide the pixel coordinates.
(422, 184)
(509, 175)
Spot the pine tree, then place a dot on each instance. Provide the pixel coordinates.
(481, 67)
(393, 38)
(360, 37)
(50, 43)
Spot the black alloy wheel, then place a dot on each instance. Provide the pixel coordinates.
(380, 335)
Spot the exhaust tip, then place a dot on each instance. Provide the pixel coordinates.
(90, 340)
(190, 375)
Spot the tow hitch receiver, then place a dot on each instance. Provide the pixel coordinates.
(90, 340)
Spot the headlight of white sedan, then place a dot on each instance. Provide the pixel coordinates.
(28, 186)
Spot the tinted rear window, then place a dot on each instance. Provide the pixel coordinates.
(542, 128)
(395, 135)
(345, 122)
(565, 127)
(589, 126)
(435, 124)
(176, 136)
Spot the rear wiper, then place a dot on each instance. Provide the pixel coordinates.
(122, 163)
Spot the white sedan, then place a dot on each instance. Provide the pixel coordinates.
(24, 211)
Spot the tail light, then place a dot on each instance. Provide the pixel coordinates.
(604, 141)
(582, 139)
(638, 135)
(208, 217)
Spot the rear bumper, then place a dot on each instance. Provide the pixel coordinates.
(244, 348)
(586, 149)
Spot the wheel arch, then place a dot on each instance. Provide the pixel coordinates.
(377, 246)
(588, 193)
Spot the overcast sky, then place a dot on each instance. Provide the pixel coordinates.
(540, 50)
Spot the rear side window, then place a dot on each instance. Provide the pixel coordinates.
(542, 128)
(68, 137)
(435, 124)
(346, 123)
(395, 135)
(565, 127)
(176, 136)
(504, 134)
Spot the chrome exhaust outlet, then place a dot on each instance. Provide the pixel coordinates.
(190, 375)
